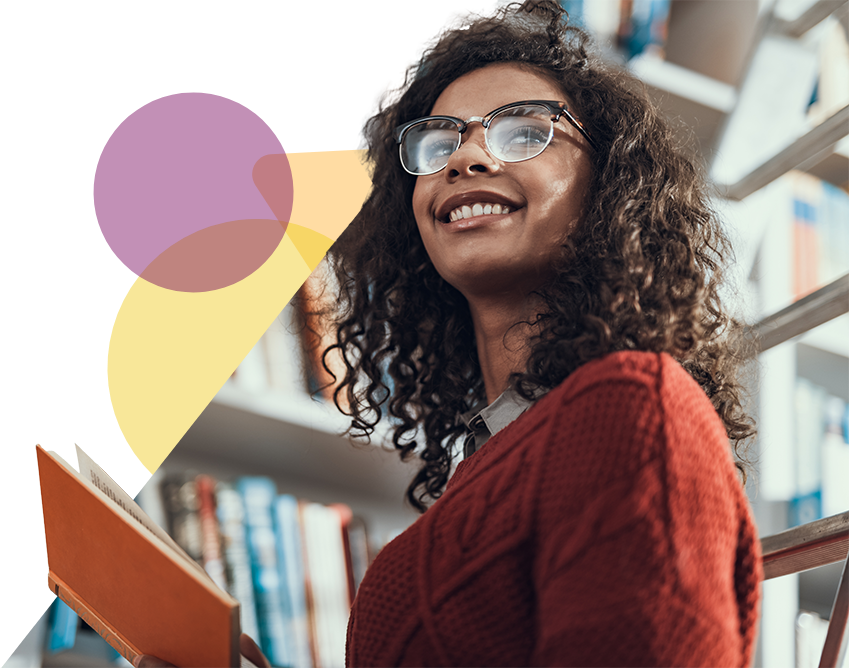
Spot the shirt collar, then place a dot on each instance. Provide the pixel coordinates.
(489, 420)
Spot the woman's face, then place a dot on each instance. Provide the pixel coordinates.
(491, 253)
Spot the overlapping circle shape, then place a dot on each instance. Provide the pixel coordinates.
(193, 192)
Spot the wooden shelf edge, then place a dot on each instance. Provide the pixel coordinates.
(684, 83)
(808, 546)
(809, 147)
(295, 409)
(813, 15)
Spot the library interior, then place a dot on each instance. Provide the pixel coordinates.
(286, 514)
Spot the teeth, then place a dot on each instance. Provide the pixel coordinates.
(479, 209)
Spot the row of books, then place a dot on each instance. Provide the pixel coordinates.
(293, 565)
(822, 454)
(820, 233)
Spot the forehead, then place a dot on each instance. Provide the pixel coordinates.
(480, 91)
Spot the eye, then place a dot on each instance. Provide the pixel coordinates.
(521, 134)
(528, 134)
(522, 142)
(436, 151)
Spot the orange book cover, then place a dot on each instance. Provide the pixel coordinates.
(130, 584)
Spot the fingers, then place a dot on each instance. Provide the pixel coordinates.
(147, 661)
(252, 652)
(247, 646)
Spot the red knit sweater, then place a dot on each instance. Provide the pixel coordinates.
(606, 526)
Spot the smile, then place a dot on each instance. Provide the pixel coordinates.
(477, 209)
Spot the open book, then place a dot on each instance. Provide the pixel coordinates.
(125, 577)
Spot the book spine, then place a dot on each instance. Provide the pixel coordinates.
(345, 516)
(181, 503)
(308, 584)
(110, 635)
(211, 546)
(231, 517)
(291, 566)
(329, 582)
(360, 556)
(258, 495)
(63, 627)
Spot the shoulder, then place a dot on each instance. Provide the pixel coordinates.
(653, 381)
(634, 405)
(658, 373)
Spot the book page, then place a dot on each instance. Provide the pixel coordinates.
(92, 473)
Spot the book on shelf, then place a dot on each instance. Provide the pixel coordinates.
(125, 577)
(821, 454)
(820, 233)
(811, 630)
(231, 522)
(316, 307)
(643, 27)
(328, 580)
(62, 627)
(213, 561)
(180, 498)
(258, 496)
(831, 93)
(283, 351)
(290, 560)
(293, 565)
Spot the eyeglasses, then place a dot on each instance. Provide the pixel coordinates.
(513, 133)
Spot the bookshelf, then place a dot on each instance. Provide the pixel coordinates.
(721, 76)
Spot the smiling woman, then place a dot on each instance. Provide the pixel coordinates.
(537, 268)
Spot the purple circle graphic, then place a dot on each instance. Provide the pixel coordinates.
(193, 192)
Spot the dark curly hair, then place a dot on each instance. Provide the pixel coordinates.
(641, 271)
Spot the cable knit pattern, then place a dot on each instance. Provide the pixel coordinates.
(606, 526)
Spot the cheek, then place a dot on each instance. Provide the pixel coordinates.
(421, 210)
(420, 197)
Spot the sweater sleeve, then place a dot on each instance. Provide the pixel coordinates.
(639, 526)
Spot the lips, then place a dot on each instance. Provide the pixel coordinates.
(474, 197)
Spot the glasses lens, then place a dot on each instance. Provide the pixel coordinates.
(520, 133)
(426, 146)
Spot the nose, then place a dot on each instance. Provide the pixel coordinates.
(472, 157)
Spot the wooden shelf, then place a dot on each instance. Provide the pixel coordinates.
(806, 151)
(817, 308)
(695, 104)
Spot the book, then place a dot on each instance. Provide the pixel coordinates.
(643, 26)
(63, 627)
(179, 493)
(360, 556)
(125, 577)
(258, 495)
(213, 562)
(291, 565)
(328, 582)
(231, 517)
(820, 233)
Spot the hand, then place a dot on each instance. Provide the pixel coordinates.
(249, 649)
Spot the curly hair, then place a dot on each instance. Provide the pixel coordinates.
(641, 271)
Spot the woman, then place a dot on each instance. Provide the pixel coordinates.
(535, 273)
(536, 270)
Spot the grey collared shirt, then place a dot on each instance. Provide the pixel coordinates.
(482, 423)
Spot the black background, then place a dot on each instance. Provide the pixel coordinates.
(310, 78)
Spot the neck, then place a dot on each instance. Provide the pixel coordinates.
(502, 344)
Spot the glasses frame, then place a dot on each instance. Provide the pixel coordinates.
(555, 108)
